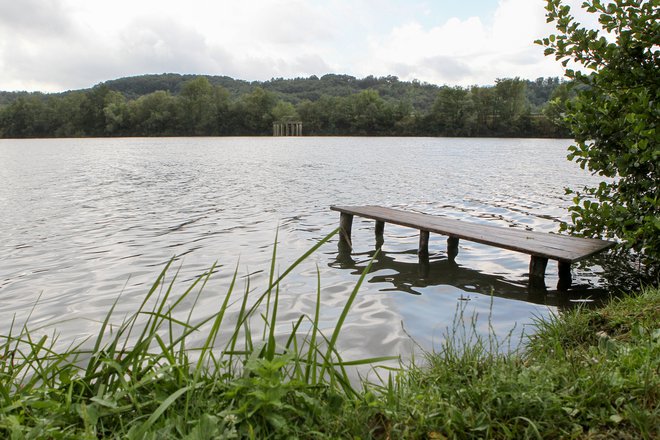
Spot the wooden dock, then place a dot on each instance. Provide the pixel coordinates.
(541, 246)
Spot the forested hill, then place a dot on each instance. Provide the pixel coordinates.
(296, 90)
(133, 87)
(189, 105)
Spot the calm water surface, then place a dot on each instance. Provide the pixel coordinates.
(84, 221)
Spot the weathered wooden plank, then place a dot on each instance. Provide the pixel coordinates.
(553, 246)
(485, 231)
(458, 225)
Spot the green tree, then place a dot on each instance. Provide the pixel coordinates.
(116, 113)
(512, 106)
(452, 111)
(198, 112)
(154, 114)
(309, 112)
(253, 112)
(368, 113)
(222, 105)
(331, 115)
(483, 102)
(66, 115)
(614, 117)
(284, 111)
(551, 124)
(25, 117)
(405, 119)
(92, 110)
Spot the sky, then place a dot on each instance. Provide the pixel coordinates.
(58, 45)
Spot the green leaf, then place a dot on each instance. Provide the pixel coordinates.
(142, 429)
(104, 402)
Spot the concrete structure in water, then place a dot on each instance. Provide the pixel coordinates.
(288, 128)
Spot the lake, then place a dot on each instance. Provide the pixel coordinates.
(85, 220)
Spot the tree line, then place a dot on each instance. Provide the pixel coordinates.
(177, 105)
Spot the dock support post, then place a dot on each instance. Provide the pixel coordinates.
(380, 228)
(424, 265)
(452, 248)
(423, 243)
(345, 226)
(537, 267)
(565, 279)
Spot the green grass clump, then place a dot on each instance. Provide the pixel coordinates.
(591, 374)
(141, 380)
(587, 374)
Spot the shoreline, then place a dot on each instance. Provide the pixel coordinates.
(585, 373)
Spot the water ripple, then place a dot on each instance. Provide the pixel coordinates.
(87, 220)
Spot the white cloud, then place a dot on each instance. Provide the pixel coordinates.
(36, 18)
(50, 45)
(60, 44)
(466, 52)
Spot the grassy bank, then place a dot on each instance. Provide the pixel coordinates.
(588, 374)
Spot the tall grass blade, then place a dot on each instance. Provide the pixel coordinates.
(142, 430)
(344, 313)
(270, 352)
(293, 336)
(270, 280)
(213, 333)
(288, 270)
(129, 325)
(312, 351)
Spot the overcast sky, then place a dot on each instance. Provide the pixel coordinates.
(56, 45)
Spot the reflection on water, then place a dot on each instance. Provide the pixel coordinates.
(87, 219)
(393, 274)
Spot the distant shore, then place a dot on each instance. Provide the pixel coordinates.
(333, 105)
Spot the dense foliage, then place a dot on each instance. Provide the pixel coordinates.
(187, 105)
(614, 117)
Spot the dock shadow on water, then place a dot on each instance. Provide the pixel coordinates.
(407, 272)
(440, 300)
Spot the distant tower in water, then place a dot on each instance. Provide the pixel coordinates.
(288, 128)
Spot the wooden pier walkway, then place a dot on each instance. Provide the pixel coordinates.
(541, 246)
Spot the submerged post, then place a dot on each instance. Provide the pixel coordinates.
(565, 279)
(452, 248)
(380, 228)
(423, 243)
(345, 226)
(424, 265)
(537, 267)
